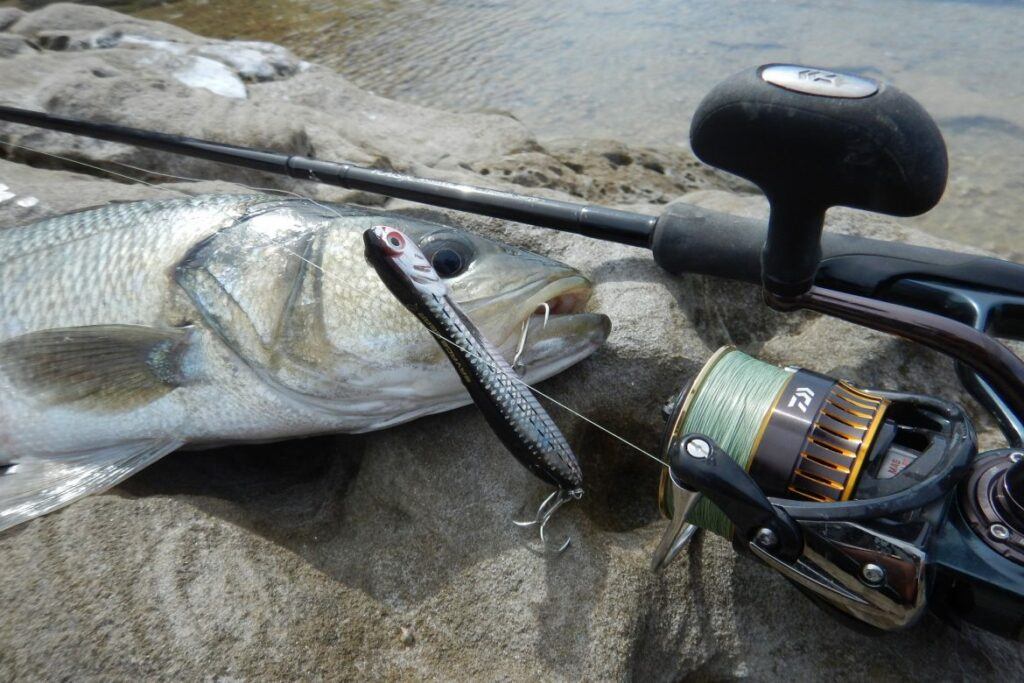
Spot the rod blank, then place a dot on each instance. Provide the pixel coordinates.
(584, 219)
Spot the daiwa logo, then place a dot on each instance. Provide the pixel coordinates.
(818, 81)
(818, 76)
(801, 399)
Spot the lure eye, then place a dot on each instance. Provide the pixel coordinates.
(395, 240)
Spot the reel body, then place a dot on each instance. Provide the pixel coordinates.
(869, 501)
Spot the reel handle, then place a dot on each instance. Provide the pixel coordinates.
(812, 139)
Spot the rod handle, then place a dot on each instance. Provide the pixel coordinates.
(691, 239)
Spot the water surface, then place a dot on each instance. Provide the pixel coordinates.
(635, 69)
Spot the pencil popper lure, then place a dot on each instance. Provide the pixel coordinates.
(508, 405)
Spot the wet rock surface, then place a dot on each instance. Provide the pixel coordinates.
(391, 554)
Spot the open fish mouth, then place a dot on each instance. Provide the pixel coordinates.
(560, 332)
(564, 341)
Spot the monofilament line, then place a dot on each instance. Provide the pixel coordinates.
(342, 282)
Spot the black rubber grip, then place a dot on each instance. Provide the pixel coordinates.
(807, 152)
(689, 239)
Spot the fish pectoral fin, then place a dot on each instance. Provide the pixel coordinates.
(33, 486)
(101, 367)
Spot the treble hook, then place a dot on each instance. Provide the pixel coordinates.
(524, 332)
(556, 500)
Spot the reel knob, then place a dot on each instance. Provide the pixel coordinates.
(812, 139)
(993, 502)
(1012, 498)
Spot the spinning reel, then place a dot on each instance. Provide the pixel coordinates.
(874, 503)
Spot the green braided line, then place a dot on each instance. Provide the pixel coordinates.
(730, 406)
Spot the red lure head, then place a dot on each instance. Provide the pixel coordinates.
(409, 266)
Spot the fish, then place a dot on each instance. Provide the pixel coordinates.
(512, 411)
(131, 330)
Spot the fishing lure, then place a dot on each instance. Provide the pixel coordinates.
(511, 410)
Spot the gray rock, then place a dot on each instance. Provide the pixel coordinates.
(9, 15)
(607, 171)
(137, 4)
(390, 555)
(66, 16)
(101, 65)
(11, 44)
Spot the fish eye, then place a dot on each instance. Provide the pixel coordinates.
(448, 257)
(395, 240)
(446, 262)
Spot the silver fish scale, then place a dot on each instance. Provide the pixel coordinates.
(130, 330)
(98, 264)
(539, 443)
(111, 218)
(327, 349)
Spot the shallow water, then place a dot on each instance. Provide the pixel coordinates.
(635, 70)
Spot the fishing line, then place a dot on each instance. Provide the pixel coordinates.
(328, 274)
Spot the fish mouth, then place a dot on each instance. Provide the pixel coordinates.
(564, 341)
(559, 331)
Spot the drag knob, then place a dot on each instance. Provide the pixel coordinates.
(812, 139)
(1011, 502)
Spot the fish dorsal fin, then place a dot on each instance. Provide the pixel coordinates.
(32, 486)
(101, 367)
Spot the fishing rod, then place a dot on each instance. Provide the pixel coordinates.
(876, 504)
(807, 156)
(684, 239)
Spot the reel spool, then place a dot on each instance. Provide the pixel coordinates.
(799, 435)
